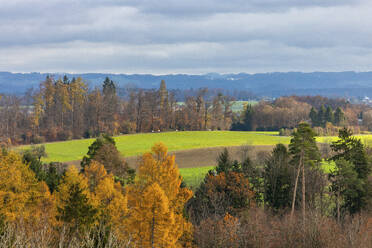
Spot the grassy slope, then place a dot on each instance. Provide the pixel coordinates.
(130, 145)
(194, 176)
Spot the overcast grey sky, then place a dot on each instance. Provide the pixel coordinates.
(185, 36)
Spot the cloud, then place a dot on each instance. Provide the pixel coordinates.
(185, 36)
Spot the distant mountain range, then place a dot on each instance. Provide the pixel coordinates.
(333, 84)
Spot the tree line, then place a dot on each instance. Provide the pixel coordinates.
(280, 199)
(65, 109)
(326, 114)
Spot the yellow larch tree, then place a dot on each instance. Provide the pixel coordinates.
(157, 201)
(152, 220)
(108, 197)
(22, 197)
(94, 173)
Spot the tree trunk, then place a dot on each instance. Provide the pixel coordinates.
(338, 206)
(295, 189)
(152, 228)
(303, 194)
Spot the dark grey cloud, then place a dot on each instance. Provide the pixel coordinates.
(185, 36)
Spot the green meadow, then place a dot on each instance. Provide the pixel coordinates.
(194, 176)
(135, 144)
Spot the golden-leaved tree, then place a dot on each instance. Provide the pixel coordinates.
(108, 197)
(22, 197)
(156, 202)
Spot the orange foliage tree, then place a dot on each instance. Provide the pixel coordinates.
(108, 197)
(156, 202)
(22, 197)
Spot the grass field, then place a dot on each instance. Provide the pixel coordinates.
(239, 105)
(135, 144)
(365, 138)
(194, 176)
(130, 145)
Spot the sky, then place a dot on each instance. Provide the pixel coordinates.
(190, 36)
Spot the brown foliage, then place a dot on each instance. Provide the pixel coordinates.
(259, 229)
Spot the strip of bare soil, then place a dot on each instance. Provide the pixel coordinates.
(204, 156)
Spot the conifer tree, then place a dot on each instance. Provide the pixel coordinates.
(158, 199)
(75, 206)
(248, 118)
(329, 117)
(278, 179)
(314, 117)
(353, 165)
(22, 197)
(304, 152)
(322, 116)
(339, 117)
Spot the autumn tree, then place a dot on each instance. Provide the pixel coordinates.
(156, 201)
(219, 232)
(225, 189)
(94, 112)
(78, 96)
(109, 198)
(110, 106)
(104, 151)
(22, 197)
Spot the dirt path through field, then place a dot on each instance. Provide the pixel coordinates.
(204, 156)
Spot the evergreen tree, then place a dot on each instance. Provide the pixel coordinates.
(248, 118)
(347, 188)
(304, 153)
(339, 117)
(95, 146)
(314, 117)
(108, 87)
(278, 179)
(110, 106)
(75, 206)
(66, 80)
(357, 170)
(329, 117)
(163, 94)
(322, 116)
(76, 209)
(351, 149)
(224, 162)
(104, 151)
(53, 176)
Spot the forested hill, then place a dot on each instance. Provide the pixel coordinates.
(344, 84)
